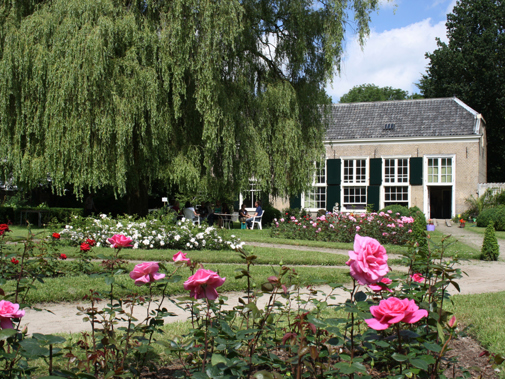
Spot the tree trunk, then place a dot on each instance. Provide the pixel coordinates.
(137, 200)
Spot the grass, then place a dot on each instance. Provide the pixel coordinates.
(482, 230)
(22, 231)
(485, 316)
(463, 251)
(74, 288)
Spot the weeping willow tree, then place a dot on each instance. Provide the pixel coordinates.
(196, 93)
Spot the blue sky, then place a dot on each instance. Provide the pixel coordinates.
(402, 31)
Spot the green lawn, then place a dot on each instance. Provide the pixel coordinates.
(479, 230)
(459, 248)
(74, 288)
(485, 316)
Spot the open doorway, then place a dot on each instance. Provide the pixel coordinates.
(440, 201)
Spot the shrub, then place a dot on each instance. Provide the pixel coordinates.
(490, 249)
(396, 208)
(495, 215)
(269, 214)
(386, 227)
(419, 233)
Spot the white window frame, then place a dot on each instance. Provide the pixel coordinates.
(360, 183)
(318, 182)
(405, 182)
(427, 184)
(252, 191)
(440, 169)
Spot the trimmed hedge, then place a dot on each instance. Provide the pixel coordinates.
(403, 211)
(49, 214)
(495, 215)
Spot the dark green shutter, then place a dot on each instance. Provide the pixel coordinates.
(373, 200)
(332, 196)
(236, 206)
(295, 202)
(333, 178)
(333, 167)
(416, 171)
(375, 171)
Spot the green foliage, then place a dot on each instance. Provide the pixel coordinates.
(269, 214)
(477, 204)
(471, 67)
(419, 236)
(197, 95)
(490, 248)
(496, 215)
(371, 92)
(403, 211)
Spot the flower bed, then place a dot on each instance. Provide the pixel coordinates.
(394, 327)
(149, 233)
(342, 227)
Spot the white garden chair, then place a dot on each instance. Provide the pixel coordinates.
(189, 215)
(256, 220)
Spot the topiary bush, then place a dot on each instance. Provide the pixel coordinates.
(419, 233)
(490, 248)
(495, 215)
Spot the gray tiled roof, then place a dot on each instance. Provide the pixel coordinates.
(412, 118)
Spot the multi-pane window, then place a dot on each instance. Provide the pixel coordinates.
(355, 171)
(396, 195)
(396, 171)
(355, 197)
(440, 170)
(253, 194)
(315, 197)
(355, 182)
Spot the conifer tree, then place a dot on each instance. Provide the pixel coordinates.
(490, 248)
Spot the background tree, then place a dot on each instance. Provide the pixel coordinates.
(371, 92)
(198, 94)
(472, 67)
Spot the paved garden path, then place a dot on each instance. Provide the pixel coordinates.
(481, 277)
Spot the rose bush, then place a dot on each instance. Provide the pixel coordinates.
(149, 233)
(342, 227)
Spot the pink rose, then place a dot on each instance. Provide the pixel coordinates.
(203, 284)
(146, 272)
(120, 240)
(181, 257)
(368, 261)
(377, 287)
(418, 278)
(9, 311)
(392, 311)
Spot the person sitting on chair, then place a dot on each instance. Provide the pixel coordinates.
(242, 213)
(258, 213)
(189, 212)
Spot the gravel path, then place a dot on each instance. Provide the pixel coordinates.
(482, 277)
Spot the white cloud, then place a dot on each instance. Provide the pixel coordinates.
(392, 58)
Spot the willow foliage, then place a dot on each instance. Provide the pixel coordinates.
(193, 92)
